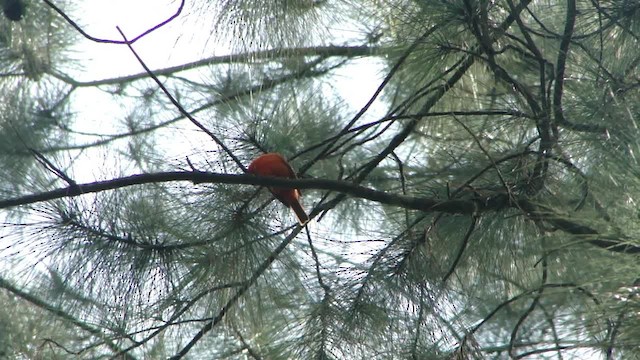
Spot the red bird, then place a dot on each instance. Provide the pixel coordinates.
(273, 164)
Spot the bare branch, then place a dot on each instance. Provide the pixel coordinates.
(181, 109)
(108, 41)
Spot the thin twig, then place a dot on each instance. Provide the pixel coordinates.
(245, 345)
(516, 298)
(463, 246)
(181, 109)
(534, 303)
(371, 100)
(52, 168)
(174, 317)
(108, 41)
(241, 291)
(242, 58)
(314, 255)
(493, 162)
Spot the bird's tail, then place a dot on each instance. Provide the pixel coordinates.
(302, 216)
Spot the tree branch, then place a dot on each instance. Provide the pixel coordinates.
(463, 247)
(321, 51)
(563, 52)
(108, 41)
(475, 205)
(181, 109)
(409, 202)
(241, 291)
(267, 84)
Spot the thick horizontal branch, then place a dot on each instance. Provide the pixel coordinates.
(409, 202)
(498, 201)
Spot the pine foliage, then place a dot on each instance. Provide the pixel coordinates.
(470, 168)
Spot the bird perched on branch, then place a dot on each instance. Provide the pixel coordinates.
(273, 164)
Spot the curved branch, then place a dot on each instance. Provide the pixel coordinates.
(266, 85)
(108, 41)
(513, 299)
(534, 303)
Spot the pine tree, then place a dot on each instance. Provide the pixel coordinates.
(469, 167)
